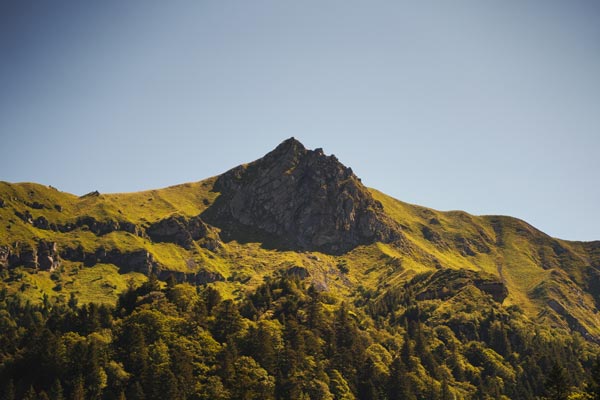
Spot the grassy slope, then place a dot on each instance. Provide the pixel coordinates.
(535, 267)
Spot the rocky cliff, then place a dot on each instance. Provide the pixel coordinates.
(302, 199)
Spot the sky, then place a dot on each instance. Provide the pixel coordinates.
(492, 107)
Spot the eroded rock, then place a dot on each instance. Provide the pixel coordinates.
(182, 231)
(301, 199)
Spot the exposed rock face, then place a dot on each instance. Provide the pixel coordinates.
(4, 256)
(97, 227)
(199, 278)
(135, 261)
(177, 229)
(302, 198)
(45, 256)
(48, 258)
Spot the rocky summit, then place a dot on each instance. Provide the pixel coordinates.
(303, 199)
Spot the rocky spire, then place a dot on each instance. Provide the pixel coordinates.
(301, 199)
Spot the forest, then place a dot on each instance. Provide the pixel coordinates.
(286, 340)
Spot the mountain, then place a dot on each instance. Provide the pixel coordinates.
(303, 199)
(301, 215)
(291, 207)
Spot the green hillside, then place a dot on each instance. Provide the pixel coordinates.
(299, 225)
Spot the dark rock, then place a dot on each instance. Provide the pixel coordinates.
(299, 199)
(464, 247)
(179, 276)
(496, 289)
(471, 246)
(41, 222)
(95, 193)
(131, 228)
(433, 236)
(28, 256)
(2, 203)
(20, 254)
(68, 227)
(98, 227)
(137, 261)
(177, 229)
(25, 216)
(73, 254)
(35, 205)
(58, 207)
(557, 248)
(201, 277)
(4, 256)
(48, 257)
(134, 261)
(210, 244)
(45, 256)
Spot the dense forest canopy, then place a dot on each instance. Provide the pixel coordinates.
(287, 340)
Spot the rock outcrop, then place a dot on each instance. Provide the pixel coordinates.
(301, 199)
(140, 261)
(446, 283)
(43, 256)
(90, 223)
(179, 230)
(48, 257)
(201, 277)
(127, 261)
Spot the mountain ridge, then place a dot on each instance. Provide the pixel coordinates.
(198, 232)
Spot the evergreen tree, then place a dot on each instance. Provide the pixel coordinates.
(8, 392)
(30, 394)
(56, 391)
(445, 393)
(398, 386)
(593, 386)
(135, 391)
(228, 321)
(79, 389)
(556, 383)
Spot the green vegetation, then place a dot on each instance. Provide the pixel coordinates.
(287, 340)
(460, 307)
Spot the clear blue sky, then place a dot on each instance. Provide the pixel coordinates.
(492, 107)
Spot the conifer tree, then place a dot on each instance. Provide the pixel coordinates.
(56, 391)
(556, 383)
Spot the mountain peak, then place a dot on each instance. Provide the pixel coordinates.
(292, 145)
(302, 199)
